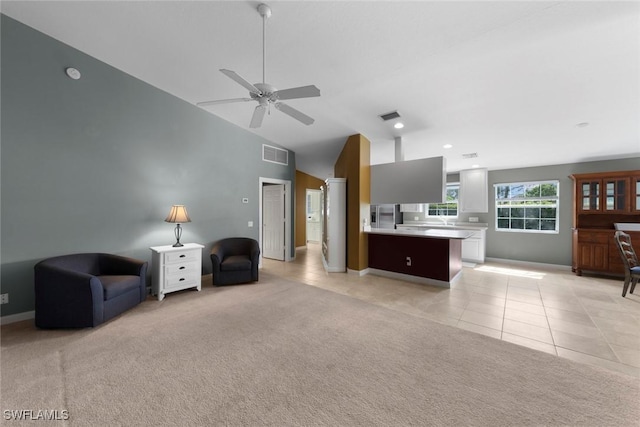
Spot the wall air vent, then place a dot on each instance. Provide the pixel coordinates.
(275, 155)
(470, 156)
(390, 116)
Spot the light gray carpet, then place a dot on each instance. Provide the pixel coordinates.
(287, 354)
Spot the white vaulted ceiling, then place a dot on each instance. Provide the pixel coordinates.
(508, 80)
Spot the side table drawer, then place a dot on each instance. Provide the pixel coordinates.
(181, 268)
(181, 281)
(181, 256)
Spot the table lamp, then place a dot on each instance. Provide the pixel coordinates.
(178, 215)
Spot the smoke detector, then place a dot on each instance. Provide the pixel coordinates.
(72, 73)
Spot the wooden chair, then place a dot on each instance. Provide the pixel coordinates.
(630, 260)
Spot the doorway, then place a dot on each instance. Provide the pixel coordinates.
(313, 214)
(273, 241)
(278, 219)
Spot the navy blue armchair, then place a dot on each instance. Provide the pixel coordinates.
(235, 260)
(81, 290)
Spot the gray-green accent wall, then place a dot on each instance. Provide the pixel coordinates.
(94, 165)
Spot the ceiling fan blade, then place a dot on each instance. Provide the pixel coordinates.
(236, 78)
(298, 92)
(294, 113)
(258, 115)
(223, 101)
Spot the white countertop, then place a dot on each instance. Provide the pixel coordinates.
(456, 226)
(430, 233)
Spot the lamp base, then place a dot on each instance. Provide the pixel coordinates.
(178, 233)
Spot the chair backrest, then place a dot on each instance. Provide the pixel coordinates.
(629, 258)
(238, 245)
(88, 263)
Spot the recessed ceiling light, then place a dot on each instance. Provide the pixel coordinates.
(475, 166)
(582, 125)
(447, 146)
(398, 125)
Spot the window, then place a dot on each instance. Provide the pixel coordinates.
(527, 207)
(450, 207)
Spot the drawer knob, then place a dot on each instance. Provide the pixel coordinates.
(182, 268)
(182, 279)
(182, 256)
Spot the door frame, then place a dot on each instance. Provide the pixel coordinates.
(287, 214)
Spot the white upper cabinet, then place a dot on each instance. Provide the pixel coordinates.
(411, 207)
(474, 191)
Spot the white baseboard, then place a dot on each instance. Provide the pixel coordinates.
(18, 317)
(358, 272)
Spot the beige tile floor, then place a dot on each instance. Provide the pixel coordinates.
(584, 319)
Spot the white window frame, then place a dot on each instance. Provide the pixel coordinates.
(451, 185)
(519, 199)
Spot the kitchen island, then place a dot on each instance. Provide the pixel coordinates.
(473, 248)
(432, 256)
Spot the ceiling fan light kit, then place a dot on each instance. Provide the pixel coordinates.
(264, 93)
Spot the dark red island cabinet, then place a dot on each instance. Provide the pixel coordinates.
(429, 256)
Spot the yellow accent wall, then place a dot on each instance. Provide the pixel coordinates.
(354, 164)
(303, 181)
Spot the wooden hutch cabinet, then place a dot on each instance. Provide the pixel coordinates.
(635, 189)
(600, 201)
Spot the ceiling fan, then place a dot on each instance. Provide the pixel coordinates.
(264, 93)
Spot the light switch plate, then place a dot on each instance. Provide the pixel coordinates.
(250, 224)
(473, 219)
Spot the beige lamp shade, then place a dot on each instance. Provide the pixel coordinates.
(178, 214)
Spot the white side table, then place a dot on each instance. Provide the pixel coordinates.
(175, 269)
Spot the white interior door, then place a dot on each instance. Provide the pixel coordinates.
(313, 216)
(273, 222)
